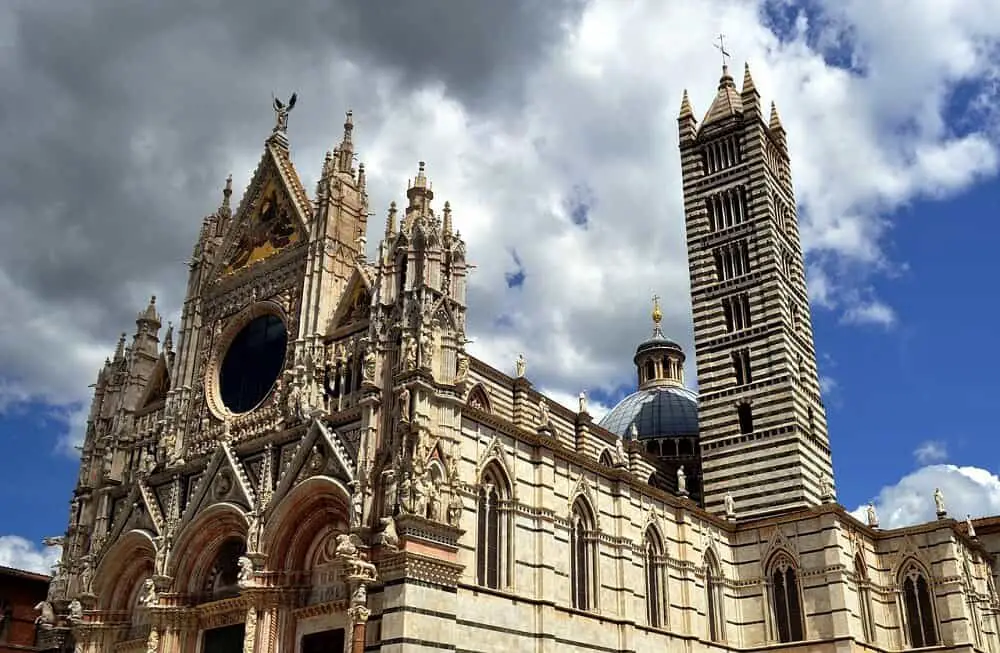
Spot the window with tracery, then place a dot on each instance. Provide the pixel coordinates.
(864, 599)
(490, 559)
(713, 598)
(918, 611)
(655, 573)
(582, 556)
(785, 602)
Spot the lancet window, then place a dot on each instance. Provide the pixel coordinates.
(732, 260)
(786, 605)
(492, 525)
(713, 598)
(655, 572)
(864, 599)
(582, 541)
(918, 611)
(727, 208)
(721, 154)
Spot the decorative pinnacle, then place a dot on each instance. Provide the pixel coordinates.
(775, 122)
(686, 109)
(390, 219)
(748, 85)
(228, 190)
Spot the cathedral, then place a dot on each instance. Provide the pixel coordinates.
(313, 461)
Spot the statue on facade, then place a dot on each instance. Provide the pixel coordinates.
(426, 349)
(462, 367)
(620, 458)
(281, 111)
(357, 505)
(682, 486)
(409, 353)
(75, 611)
(872, 515)
(454, 455)
(970, 529)
(47, 615)
(730, 506)
(520, 366)
(388, 537)
(368, 367)
(148, 596)
(245, 575)
(86, 576)
(827, 492)
(434, 502)
(455, 509)
(345, 546)
(544, 418)
(162, 552)
(153, 641)
(389, 492)
(254, 528)
(583, 402)
(633, 432)
(293, 403)
(404, 405)
(939, 502)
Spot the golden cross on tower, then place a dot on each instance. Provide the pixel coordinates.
(657, 314)
(721, 47)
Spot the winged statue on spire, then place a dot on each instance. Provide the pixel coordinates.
(281, 111)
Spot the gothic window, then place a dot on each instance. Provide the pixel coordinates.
(721, 154)
(582, 555)
(736, 310)
(744, 414)
(864, 598)
(654, 572)
(785, 602)
(732, 260)
(727, 208)
(713, 598)
(222, 579)
(741, 366)
(492, 528)
(918, 613)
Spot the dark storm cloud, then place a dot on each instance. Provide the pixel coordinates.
(119, 120)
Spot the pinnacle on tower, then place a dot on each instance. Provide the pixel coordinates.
(686, 110)
(748, 85)
(419, 195)
(149, 315)
(447, 219)
(345, 150)
(774, 124)
(390, 221)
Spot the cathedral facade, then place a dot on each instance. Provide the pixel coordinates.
(314, 462)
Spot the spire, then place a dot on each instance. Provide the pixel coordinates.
(748, 85)
(120, 349)
(727, 102)
(686, 110)
(419, 195)
(390, 221)
(149, 316)
(362, 178)
(775, 122)
(168, 339)
(225, 211)
(447, 219)
(345, 150)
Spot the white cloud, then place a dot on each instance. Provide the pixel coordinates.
(599, 113)
(967, 491)
(930, 452)
(19, 553)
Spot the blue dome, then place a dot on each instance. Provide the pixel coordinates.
(663, 411)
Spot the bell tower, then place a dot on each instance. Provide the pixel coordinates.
(763, 426)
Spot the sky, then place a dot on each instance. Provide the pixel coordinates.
(551, 128)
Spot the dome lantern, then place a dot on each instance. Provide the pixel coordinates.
(659, 361)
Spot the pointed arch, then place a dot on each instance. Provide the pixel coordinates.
(195, 554)
(864, 597)
(714, 597)
(583, 553)
(479, 399)
(493, 527)
(606, 458)
(917, 604)
(786, 597)
(294, 523)
(122, 571)
(655, 572)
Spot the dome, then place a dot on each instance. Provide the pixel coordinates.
(662, 411)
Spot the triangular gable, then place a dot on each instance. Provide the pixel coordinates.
(355, 302)
(273, 215)
(318, 453)
(223, 481)
(584, 489)
(779, 542)
(443, 316)
(131, 518)
(158, 384)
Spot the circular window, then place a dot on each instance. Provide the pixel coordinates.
(252, 363)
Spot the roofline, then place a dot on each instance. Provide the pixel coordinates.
(24, 573)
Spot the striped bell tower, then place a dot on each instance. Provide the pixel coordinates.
(763, 426)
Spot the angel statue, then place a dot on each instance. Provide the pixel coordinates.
(281, 111)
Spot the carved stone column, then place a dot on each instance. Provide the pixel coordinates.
(250, 630)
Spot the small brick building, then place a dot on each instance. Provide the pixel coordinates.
(20, 592)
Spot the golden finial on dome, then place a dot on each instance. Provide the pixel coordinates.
(657, 313)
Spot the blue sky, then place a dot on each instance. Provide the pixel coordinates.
(556, 144)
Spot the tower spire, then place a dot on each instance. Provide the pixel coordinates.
(345, 150)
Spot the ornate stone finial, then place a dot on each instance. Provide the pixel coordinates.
(970, 529)
(872, 515)
(281, 111)
(520, 366)
(227, 192)
(390, 220)
(168, 339)
(447, 218)
(939, 506)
